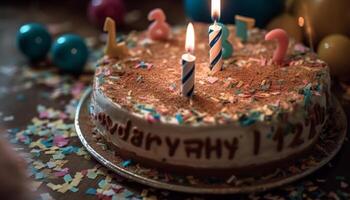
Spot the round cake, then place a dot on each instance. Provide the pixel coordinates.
(250, 117)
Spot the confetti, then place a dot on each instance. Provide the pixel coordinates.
(91, 191)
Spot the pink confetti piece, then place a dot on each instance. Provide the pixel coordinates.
(61, 173)
(43, 115)
(300, 47)
(212, 80)
(60, 141)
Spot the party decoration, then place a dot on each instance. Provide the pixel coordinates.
(334, 49)
(288, 23)
(34, 41)
(227, 49)
(69, 53)
(188, 64)
(113, 49)
(283, 41)
(215, 39)
(99, 10)
(159, 29)
(324, 16)
(243, 24)
(261, 10)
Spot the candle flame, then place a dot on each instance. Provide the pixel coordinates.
(190, 39)
(301, 21)
(215, 9)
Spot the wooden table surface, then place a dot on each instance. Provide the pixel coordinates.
(21, 103)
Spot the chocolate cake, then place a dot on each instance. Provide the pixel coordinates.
(252, 116)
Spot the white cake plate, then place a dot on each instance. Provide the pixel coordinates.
(326, 148)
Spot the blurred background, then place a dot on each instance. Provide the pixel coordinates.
(325, 25)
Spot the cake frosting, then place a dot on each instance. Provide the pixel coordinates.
(252, 115)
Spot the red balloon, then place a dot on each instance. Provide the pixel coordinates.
(99, 10)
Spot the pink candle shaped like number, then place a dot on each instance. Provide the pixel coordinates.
(159, 29)
(283, 42)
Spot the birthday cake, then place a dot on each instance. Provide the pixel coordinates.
(252, 116)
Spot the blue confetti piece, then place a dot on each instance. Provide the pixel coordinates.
(249, 120)
(126, 163)
(39, 175)
(91, 191)
(47, 143)
(307, 95)
(67, 178)
(13, 131)
(179, 118)
(74, 189)
(68, 150)
(102, 183)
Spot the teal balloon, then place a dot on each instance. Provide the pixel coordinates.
(227, 49)
(69, 53)
(34, 41)
(261, 10)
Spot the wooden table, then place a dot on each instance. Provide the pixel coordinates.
(22, 103)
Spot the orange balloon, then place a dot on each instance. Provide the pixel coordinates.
(334, 49)
(325, 16)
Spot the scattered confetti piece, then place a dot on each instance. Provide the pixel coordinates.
(91, 191)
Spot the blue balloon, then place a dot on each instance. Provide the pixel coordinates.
(261, 10)
(69, 53)
(34, 41)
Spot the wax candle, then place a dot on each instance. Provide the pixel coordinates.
(113, 49)
(283, 41)
(159, 29)
(188, 64)
(215, 39)
(243, 24)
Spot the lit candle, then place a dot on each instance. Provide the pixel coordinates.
(215, 38)
(188, 64)
(159, 29)
(243, 24)
(113, 49)
(283, 41)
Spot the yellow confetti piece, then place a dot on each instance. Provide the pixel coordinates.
(64, 188)
(53, 186)
(37, 144)
(35, 185)
(38, 165)
(108, 179)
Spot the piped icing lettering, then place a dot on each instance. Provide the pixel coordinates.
(152, 140)
(232, 147)
(279, 137)
(172, 145)
(297, 140)
(193, 147)
(257, 138)
(214, 147)
(137, 137)
(207, 148)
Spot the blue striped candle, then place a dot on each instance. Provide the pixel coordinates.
(188, 64)
(215, 44)
(188, 75)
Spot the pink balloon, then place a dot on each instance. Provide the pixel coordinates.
(159, 29)
(99, 10)
(283, 41)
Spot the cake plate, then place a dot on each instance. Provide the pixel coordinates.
(326, 148)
